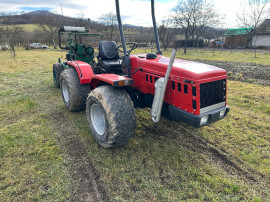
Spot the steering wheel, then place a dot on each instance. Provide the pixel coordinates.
(134, 46)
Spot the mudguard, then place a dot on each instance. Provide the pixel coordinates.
(112, 79)
(86, 75)
(83, 69)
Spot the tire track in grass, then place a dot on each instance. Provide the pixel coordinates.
(86, 184)
(213, 153)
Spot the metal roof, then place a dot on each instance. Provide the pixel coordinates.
(264, 28)
(238, 31)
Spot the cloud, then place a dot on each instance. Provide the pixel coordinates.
(34, 8)
(26, 5)
(137, 12)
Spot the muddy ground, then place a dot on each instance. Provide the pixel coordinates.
(86, 183)
(86, 180)
(251, 73)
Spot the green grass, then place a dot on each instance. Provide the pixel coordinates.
(32, 166)
(156, 165)
(161, 162)
(29, 27)
(241, 56)
(245, 132)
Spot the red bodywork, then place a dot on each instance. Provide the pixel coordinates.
(184, 75)
(83, 69)
(112, 79)
(86, 75)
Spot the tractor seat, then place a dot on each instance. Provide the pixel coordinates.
(108, 55)
(111, 64)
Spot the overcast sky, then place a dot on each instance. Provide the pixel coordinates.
(136, 12)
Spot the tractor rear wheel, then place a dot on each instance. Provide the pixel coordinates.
(57, 69)
(111, 116)
(73, 93)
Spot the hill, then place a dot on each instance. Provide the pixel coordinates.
(31, 18)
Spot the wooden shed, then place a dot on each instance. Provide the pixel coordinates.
(238, 38)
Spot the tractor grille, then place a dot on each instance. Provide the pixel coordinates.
(212, 93)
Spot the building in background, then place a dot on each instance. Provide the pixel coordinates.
(238, 38)
(261, 39)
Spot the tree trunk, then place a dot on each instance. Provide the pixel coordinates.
(13, 50)
(193, 41)
(185, 47)
(165, 46)
(186, 41)
(54, 44)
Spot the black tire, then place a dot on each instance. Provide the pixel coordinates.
(73, 93)
(57, 69)
(119, 120)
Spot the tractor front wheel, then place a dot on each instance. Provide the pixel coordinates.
(111, 116)
(57, 69)
(73, 93)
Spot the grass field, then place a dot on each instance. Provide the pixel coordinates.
(29, 27)
(48, 153)
(226, 55)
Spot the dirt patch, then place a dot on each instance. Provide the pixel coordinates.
(86, 184)
(251, 73)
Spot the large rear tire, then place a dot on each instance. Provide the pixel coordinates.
(57, 69)
(73, 93)
(111, 116)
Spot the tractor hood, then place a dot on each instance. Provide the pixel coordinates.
(185, 69)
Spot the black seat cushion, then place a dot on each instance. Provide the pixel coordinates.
(111, 64)
(108, 50)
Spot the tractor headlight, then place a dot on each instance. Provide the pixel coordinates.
(222, 113)
(204, 119)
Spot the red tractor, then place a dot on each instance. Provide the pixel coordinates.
(113, 86)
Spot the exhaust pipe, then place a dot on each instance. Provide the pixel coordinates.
(160, 89)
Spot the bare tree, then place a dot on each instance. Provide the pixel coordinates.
(208, 17)
(110, 22)
(12, 36)
(254, 12)
(166, 32)
(80, 21)
(1, 34)
(49, 26)
(192, 15)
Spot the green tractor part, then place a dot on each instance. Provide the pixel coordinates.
(76, 43)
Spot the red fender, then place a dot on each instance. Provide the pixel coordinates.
(84, 71)
(112, 79)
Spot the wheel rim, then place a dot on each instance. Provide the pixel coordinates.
(98, 119)
(65, 91)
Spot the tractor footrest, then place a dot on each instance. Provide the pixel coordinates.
(114, 79)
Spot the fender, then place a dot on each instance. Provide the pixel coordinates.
(112, 79)
(84, 70)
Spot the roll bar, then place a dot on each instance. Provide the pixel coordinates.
(120, 26)
(126, 54)
(75, 31)
(155, 27)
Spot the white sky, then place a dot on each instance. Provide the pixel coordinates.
(136, 12)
